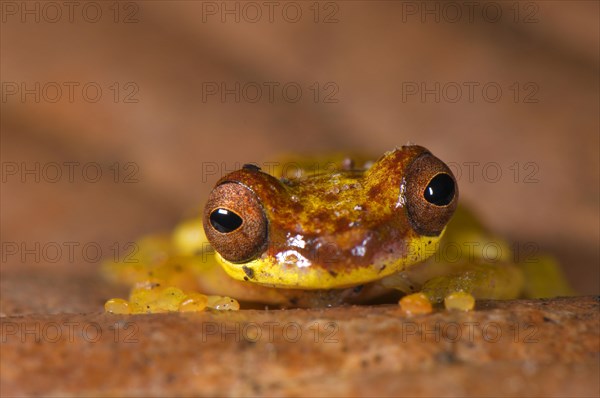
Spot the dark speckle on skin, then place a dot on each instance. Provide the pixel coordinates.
(250, 166)
(332, 273)
(248, 271)
(374, 191)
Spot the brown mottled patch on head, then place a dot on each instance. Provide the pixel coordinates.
(342, 224)
(331, 196)
(374, 191)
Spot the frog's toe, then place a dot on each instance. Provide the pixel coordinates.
(117, 306)
(461, 301)
(416, 303)
(196, 302)
(221, 303)
(193, 302)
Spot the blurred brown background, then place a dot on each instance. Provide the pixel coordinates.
(134, 90)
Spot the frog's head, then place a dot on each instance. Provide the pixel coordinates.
(335, 229)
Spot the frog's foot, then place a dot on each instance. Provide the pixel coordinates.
(420, 303)
(461, 301)
(151, 298)
(415, 304)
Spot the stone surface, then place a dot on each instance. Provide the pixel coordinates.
(511, 348)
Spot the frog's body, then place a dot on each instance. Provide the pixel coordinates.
(344, 235)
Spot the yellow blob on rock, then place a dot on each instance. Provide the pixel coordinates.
(416, 303)
(461, 301)
(117, 306)
(194, 302)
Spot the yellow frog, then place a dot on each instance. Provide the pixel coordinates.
(326, 236)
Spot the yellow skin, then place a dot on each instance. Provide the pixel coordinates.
(332, 233)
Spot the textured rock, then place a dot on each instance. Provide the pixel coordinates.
(512, 348)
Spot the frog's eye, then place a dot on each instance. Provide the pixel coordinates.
(235, 223)
(431, 194)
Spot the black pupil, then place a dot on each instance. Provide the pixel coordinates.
(440, 190)
(225, 221)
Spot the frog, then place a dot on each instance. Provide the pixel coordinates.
(337, 231)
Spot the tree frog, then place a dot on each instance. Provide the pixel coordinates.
(345, 231)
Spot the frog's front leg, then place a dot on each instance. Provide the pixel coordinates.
(180, 273)
(456, 285)
(170, 273)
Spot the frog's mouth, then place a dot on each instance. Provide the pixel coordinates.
(290, 269)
